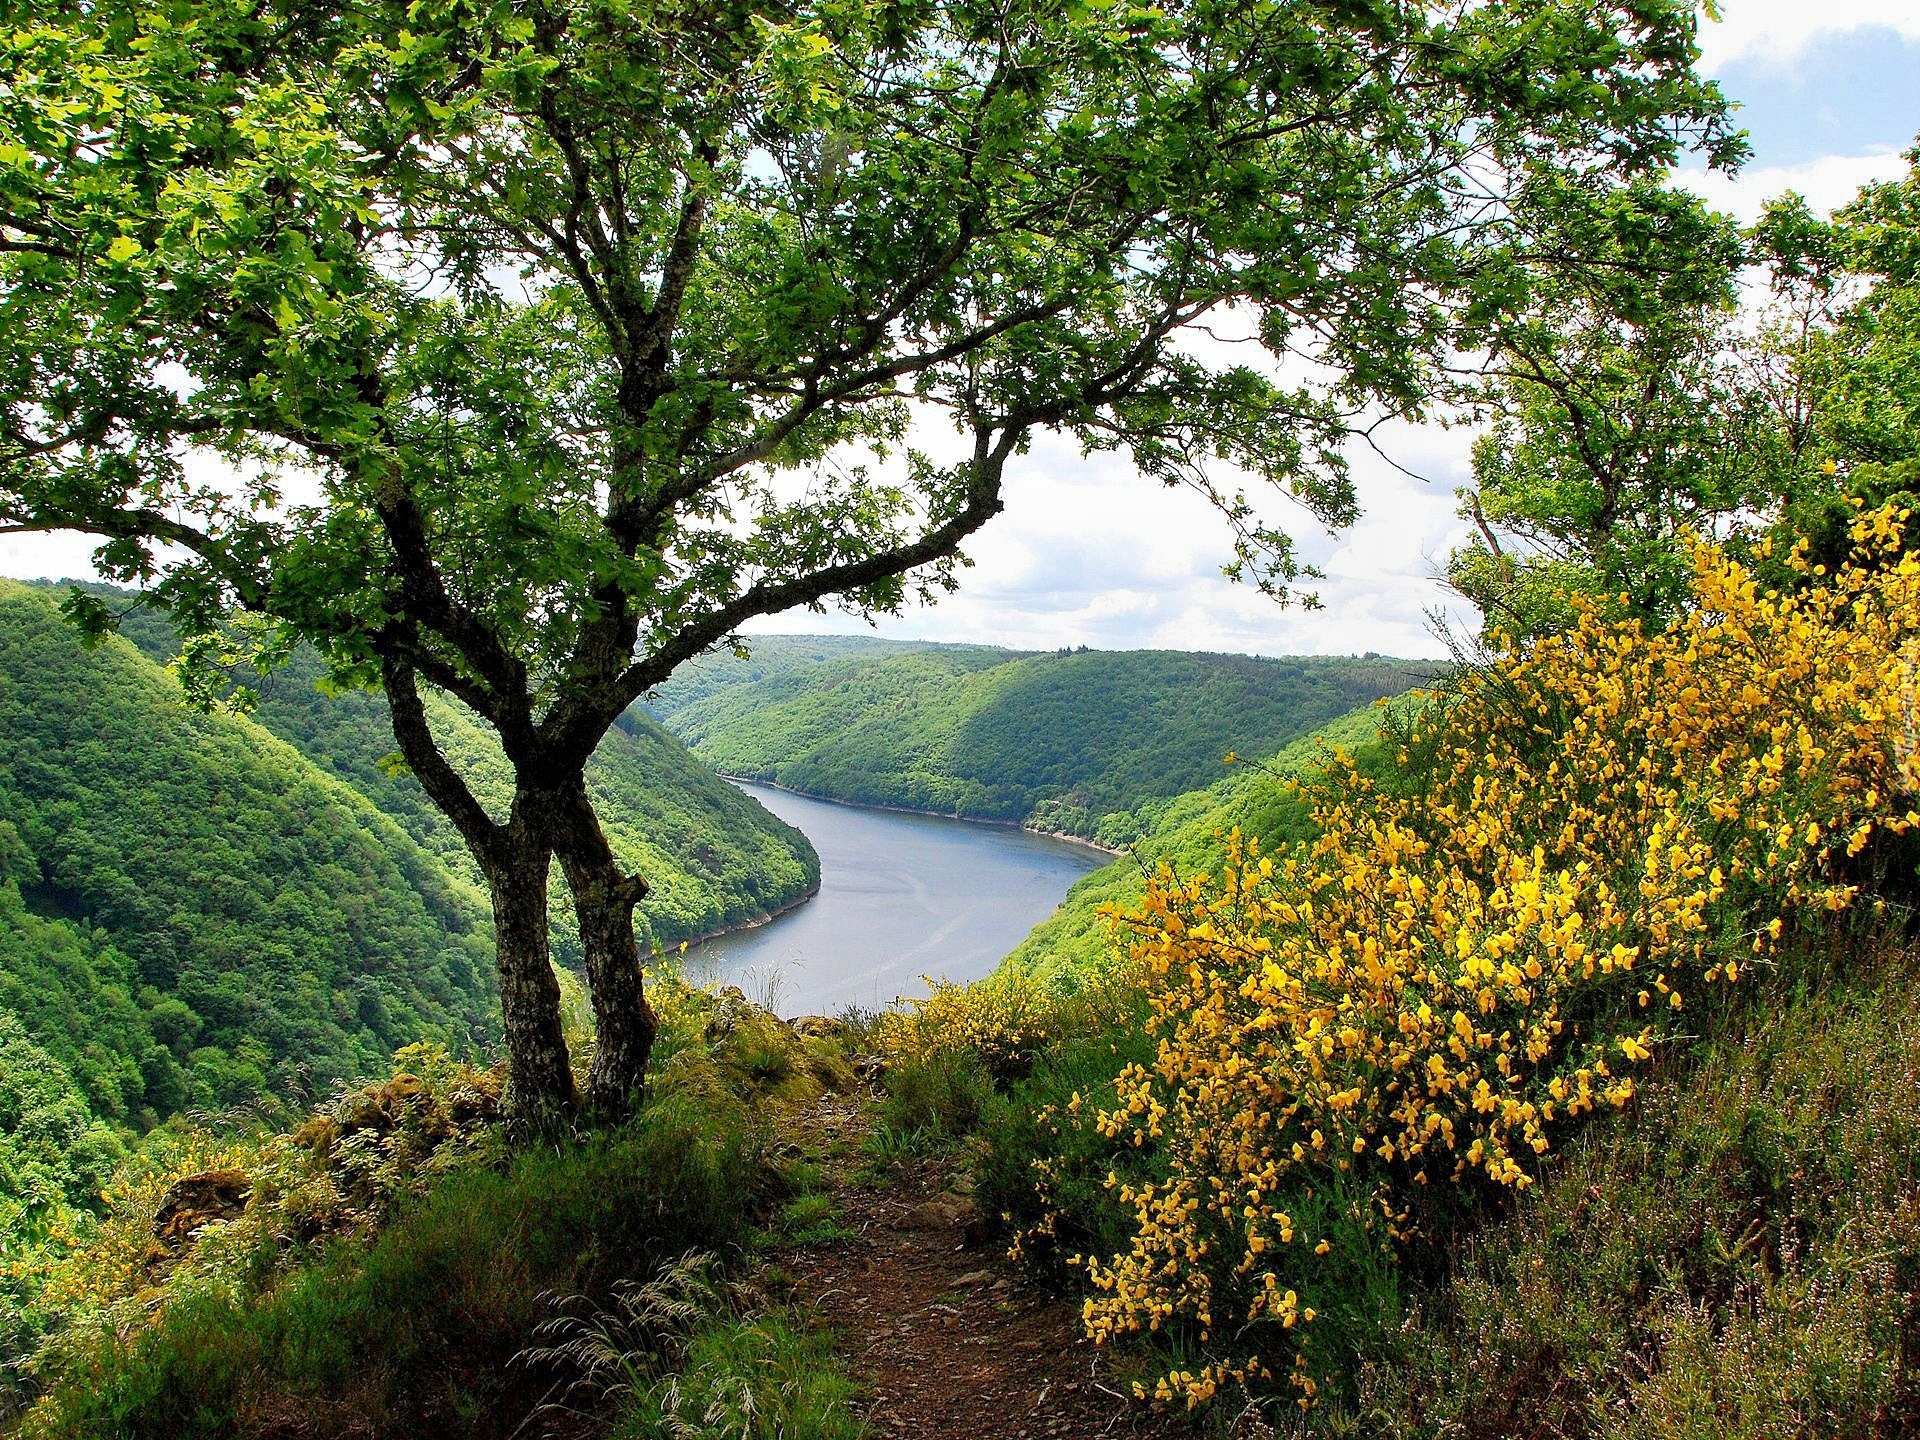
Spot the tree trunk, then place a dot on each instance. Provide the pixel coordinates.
(515, 857)
(540, 1098)
(603, 899)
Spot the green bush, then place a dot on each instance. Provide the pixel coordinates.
(939, 1096)
(1037, 1141)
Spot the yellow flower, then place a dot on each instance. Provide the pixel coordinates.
(1439, 978)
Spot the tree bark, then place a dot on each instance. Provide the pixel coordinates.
(603, 899)
(515, 858)
(541, 1099)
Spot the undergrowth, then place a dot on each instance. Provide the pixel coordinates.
(1739, 1259)
(412, 1330)
(394, 1265)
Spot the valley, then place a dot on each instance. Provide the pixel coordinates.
(422, 830)
(1087, 743)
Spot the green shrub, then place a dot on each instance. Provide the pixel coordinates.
(938, 1095)
(1037, 1141)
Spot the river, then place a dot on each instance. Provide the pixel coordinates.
(901, 896)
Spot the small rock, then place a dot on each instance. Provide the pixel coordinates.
(731, 1009)
(195, 1201)
(818, 1027)
(975, 1277)
(942, 1212)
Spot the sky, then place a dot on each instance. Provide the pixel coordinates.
(1089, 553)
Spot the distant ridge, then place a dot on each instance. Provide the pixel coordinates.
(1082, 742)
(1188, 833)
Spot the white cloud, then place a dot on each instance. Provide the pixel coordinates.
(1827, 182)
(1775, 32)
(62, 555)
(1090, 553)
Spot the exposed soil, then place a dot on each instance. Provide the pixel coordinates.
(949, 1339)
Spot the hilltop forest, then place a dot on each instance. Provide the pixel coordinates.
(1087, 743)
(196, 915)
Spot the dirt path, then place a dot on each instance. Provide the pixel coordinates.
(951, 1341)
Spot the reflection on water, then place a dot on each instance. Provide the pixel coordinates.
(901, 896)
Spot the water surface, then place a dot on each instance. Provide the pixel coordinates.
(901, 896)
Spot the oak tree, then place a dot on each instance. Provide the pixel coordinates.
(528, 348)
(1623, 421)
(1633, 416)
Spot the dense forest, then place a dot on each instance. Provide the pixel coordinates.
(194, 914)
(1188, 834)
(1087, 743)
(711, 856)
(204, 910)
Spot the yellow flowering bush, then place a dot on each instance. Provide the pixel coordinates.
(1608, 822)
(1002, 1019)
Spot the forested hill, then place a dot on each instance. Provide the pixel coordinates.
(1088, 742)
(1188, 833)
(200, 910)
(712, 856)
(782, 658)
(190, 912)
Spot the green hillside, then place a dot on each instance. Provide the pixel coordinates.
(190, 913)
(712, 855)
(1082, 742)
(1186, 832)
(774, 656)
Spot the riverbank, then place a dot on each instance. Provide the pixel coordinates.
(1062, 836)
(740, 927)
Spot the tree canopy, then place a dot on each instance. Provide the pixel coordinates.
(526, 350)
(1625, 428)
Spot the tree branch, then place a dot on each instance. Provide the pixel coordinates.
(422, 754)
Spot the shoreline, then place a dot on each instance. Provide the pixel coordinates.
(741, 925)
(1079, 841)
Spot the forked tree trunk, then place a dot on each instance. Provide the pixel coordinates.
(541, 1098)
(515, 858)
(603, 900)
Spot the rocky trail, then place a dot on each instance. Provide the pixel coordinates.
(947, 1337)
